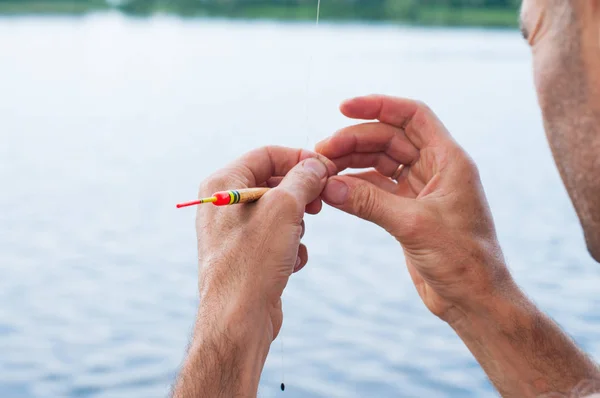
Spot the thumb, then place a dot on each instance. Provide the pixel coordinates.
(304, 183)
(367, 201)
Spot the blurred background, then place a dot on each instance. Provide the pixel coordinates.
(112, 112)
(447, 12)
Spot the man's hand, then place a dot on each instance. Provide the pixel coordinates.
(436, 208)
(246, 254)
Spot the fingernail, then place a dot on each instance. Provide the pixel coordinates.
(336, 192)
(316, 166)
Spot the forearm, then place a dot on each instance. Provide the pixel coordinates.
(523, 352)
(226, 355)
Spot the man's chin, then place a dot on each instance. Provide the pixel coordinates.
(593, 246)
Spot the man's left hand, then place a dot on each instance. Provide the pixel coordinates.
(246, 254)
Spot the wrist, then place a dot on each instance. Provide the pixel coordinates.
(228, 305)
(501, 310)
(486, 286)
(242, 319)
(238, 334)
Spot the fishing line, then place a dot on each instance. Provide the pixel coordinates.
(308, 77)
(282, 386)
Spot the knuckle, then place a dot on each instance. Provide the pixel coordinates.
(423, 117)
(270, 148)
(368, 204)
(265, 149)
(424, 108)
(262, 150)
(271, 151)
(216, 182)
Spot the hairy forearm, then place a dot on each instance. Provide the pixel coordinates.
(212, 370)
(524, 353)
(226, 355)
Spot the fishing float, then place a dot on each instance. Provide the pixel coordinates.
(231, 197)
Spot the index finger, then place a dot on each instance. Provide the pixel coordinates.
(421, 125)
(258, 166)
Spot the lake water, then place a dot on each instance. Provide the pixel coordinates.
(107, 122)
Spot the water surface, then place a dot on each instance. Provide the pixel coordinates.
(107, 122)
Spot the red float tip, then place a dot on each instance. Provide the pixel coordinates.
(187, 204)
(197, 202)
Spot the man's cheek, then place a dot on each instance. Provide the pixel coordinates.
(556, 69)
(544, 72)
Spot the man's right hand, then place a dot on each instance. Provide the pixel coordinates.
(437, 210)
(436, 207)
